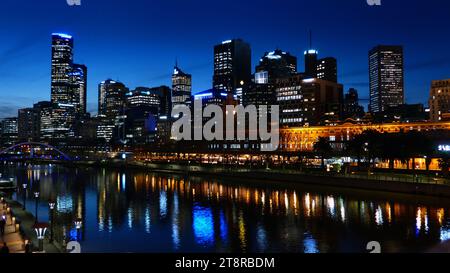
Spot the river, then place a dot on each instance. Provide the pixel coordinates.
(139, 211)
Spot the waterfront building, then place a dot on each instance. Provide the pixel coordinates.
(439, 101)
(386, 77)
(232, 66)
(303, 138)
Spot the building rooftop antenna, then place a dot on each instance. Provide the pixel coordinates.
(310, 39)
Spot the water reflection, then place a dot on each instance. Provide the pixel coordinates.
(143, 212)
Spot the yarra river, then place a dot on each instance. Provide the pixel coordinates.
(140, 211)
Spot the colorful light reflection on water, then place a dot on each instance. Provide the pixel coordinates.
(137, 211)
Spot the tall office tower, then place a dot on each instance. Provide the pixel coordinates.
(142, 113)
(278, 64)
(143, 96)
(440, 100)
(273, 65)
(8, 131)
(165, 97)
(308, 102)
(386, 77)
(232, 66)
(327, 69)
(181, 87)
(311, 63)
(28, 126)
(109, 88)
(78, 82)
(62, 61)
(114, 97)
(56, 121)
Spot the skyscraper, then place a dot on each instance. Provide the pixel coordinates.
(28, 126)
(165, 97)
(181, 87)
(278, 64)
(114, 99)
(62, 61)
(327, 69)
(107, 90)
(232, 66)
(272, 66)
(78, 82)
(386, 77)
(8, 131)
(311, 63)
(308, 102)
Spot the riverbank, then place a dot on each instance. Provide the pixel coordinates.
(25, 222)
(387, 183)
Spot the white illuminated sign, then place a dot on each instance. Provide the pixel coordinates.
(444, 148)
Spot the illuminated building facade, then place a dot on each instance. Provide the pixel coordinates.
(143, 97)
(28, 124)
(8, 130)
(327, 69)
(272, 66)
(440, 101)
(308, 102)
(386, 78)
(181, 87)
(232, 66)
(311, 63)
(277, 64)
(57, 121)
(112, 99)
(303, 138)
(78, 82)
(62, 61)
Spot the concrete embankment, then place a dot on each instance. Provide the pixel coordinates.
(275, 177)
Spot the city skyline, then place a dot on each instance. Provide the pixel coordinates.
(196, 55)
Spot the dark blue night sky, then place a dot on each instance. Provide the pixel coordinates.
(137, 41)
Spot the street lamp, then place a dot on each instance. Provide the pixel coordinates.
(36, 196)
(24, 185)
(78, 223)
(51, 206)
(40, 229)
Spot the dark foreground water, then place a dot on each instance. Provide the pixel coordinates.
(138, 211)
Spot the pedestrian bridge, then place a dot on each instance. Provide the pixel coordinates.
(35, 145)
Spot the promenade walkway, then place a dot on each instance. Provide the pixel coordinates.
(12, 237)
